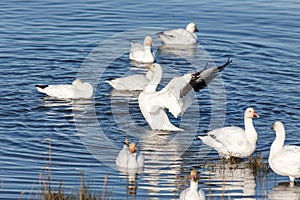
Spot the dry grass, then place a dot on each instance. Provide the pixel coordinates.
(258, 165)
(51, 192)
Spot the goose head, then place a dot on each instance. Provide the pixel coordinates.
(132, 148)
(194, 176)
(278, 127)
(191, 27)
(250, 113)
(76, 82)
(148, 42)
(155, 68)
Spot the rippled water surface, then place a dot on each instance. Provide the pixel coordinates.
(52, 42)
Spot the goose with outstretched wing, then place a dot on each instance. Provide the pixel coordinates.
(176, 96)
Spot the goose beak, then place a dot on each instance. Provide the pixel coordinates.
(255, 115)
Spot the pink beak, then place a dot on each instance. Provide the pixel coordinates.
(255, 115)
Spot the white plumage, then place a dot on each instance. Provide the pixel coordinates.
(284, 159)
(129, 158)
(77, 90)
(176, 96)
(142, 53)
(131, 83)
(192, 192)
(180, 36)
(234, 141)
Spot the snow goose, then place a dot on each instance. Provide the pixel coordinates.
(176, 96)
(78, 90)
(129, 158)
(180, 36)
(284, 160)
(142, 53)
(192, 193)
(234, 141)
(131, 83)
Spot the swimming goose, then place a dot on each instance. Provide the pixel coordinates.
(192, 193)
(142, 53)
(129, 158)
(131, 83)
(180, 36)
(77, 90)
(176, 96)
(284, 160)
(234, 141)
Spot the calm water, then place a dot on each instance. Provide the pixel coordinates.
(54, 42)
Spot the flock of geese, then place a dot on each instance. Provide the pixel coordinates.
(176, 97)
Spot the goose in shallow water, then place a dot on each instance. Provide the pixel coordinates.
(78, 90)
(192, 192)
(129, 158)
(142, 53)
(180, 36)
(131, 83)
(284, 159)
(176, 96)
(234, 141)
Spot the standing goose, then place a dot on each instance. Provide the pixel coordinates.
(180, 36)
(234, 141)
(77, 90)
(192, 193)
(142, 53)
(284, 160)
(176, 96)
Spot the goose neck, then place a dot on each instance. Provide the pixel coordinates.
(278, 143)
(250, 130)
(194, 185)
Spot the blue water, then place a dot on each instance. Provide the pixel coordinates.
(53, 42)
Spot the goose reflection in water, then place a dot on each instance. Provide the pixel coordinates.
(283, 191)
(162, 162)
(182, 51)
(131, 176)
(230, 180)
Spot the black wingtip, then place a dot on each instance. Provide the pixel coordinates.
(220, 68)
(202, 78)
(41, 86)
(109, 79)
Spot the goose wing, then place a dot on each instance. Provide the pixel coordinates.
(178, 94)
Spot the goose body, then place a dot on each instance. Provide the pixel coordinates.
(129, 158)
(192, 192)
(142, 53)
(131, 83)
(77, 90)
(284, 159)
(180, 36)
(234, 141)
(176, 96)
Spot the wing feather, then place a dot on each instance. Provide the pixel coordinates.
(176, 96)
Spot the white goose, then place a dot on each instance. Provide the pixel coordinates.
(234, 141)
(142, 53)
(129, 158)
(284, 160)
(77, 90)
(192, 193)
(180, 36)
(176, 96)
(131, 83)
